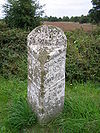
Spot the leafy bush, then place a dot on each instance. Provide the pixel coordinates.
(13, 53)
(3, 26)
(20, 115)
(83, 56)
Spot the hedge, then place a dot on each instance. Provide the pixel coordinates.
(82, 57)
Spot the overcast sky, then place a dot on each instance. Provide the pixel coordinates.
(62, 8)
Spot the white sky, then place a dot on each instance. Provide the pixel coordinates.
(62, 8)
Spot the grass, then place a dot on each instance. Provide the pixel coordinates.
(81, 112)
(10, 90)
(20, 115)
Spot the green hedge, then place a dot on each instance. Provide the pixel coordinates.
(82, 58)
(3, 26)
(13, 53)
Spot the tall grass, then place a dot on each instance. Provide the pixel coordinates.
(20, 115)
(10, 90)
(81, 112)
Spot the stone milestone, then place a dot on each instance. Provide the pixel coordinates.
(46, 71)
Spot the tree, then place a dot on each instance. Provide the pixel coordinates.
(95, 11)
(65, 18)
(84, 19)
(74, 19)
(23, 13)
(52, 19)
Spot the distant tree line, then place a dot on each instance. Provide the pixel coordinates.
(92, 17)
(81, 19)
(27, 14)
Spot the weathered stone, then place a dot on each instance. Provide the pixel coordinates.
(46, 71)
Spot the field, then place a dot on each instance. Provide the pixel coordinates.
(70, 26)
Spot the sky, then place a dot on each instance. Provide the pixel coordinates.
(60, 8)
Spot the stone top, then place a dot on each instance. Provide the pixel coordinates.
(48, 38)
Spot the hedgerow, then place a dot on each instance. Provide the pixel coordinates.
(13, 53)
(82, 57)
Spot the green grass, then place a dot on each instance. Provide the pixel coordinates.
(81, 112)
(10, 91)
(20, 115)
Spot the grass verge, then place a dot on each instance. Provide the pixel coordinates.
(81, 112)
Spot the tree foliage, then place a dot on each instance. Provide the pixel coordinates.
(80, 19)
(95, 11)
(23, 13)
